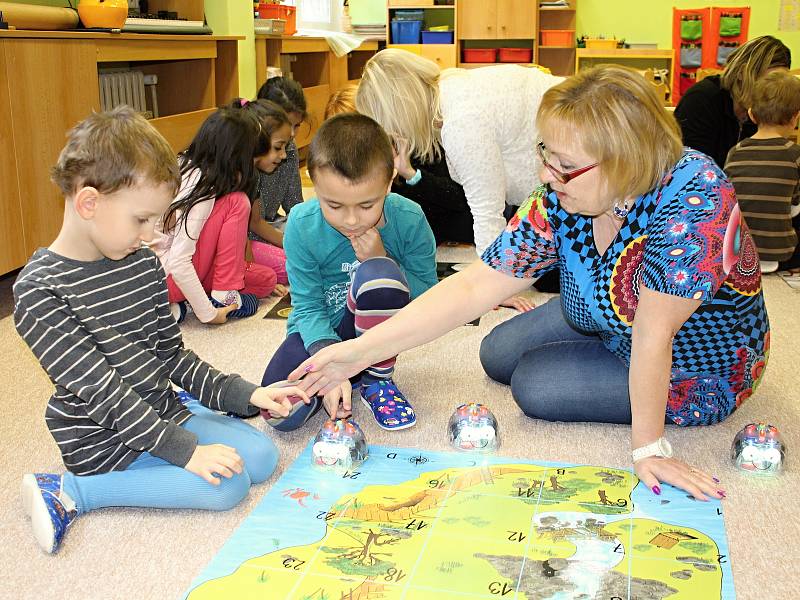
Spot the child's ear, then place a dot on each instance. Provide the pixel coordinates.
(794, 120)
(391, 181)
(750, 114)
(85, 202)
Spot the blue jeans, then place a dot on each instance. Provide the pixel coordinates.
(152, 482)
(555, 372)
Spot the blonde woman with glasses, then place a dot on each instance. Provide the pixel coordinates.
(713, 112)
(661, 317)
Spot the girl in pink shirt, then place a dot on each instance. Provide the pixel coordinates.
(202, 236)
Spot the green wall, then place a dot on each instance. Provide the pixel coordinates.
(651, 21)
(368, 11)
(235, 17)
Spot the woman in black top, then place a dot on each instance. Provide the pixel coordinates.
(713, 113)
(442, 200)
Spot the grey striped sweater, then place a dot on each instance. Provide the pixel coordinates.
(104, 334)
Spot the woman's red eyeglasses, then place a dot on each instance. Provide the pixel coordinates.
(561, 176)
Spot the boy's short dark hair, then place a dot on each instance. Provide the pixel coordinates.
(776, 98)
(113, 150)
(353, 146)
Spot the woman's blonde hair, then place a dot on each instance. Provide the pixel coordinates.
(400, 90)
(617, 118)
(342, 100)
(749, 62)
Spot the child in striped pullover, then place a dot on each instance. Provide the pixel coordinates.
(93, 308)
(765, 169)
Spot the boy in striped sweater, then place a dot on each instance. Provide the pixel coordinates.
(765, 169)
(93, 308)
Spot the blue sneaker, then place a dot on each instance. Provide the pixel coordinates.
(247, 307)
(50, 509)
(388, 405)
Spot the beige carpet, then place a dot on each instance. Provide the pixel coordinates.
(131, 553)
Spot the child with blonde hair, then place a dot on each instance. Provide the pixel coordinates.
(94, 309)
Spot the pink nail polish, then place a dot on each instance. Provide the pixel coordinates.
(656, 490)
(721, 493)
(308, 369)
(715, 480)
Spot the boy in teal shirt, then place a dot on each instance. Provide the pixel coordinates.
(355, 255)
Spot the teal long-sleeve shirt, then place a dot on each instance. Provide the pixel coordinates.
(319, 261)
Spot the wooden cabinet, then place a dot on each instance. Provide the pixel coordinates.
(52, 83)
(312, 63)
(497, 19)
(556, 49)
(444, 55)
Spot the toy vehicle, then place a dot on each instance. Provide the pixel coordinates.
(759, 448)
(473, 427)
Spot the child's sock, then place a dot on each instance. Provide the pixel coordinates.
(227, 297)
(769, 266)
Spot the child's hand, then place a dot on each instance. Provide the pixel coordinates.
(402, 158)
(215, 459)
(521, 303)
(222, 314)
(275, 399)
(368, 245)
(280, 290)
(338, 401)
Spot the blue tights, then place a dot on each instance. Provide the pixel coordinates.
(152, 482)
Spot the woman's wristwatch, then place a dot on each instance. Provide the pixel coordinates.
(661, 447)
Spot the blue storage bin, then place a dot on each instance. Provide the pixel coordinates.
(406, 32)
(409, 15)
(437, 37)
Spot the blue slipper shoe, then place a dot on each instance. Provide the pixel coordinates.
(388, 405)
(50, 515)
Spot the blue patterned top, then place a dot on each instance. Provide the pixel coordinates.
(684, 238)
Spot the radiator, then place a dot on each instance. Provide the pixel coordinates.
(118, 87)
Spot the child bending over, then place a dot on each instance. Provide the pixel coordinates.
(203, 234)
(356, 254)
(765, 169)
(93, 308)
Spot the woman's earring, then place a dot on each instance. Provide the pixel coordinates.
(621, 211)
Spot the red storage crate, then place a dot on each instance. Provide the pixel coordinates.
(279, 11)
(480, 55)
(515, 55)
(558, 37)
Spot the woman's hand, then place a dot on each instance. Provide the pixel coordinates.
(276, 399)
(520, 303)
(338, 401)
(213, 460)
(654, 470)
(402, 158)
(331, 367)
(222, 314)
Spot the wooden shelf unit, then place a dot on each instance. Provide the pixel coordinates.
(445, 55)
(559, 59)
(493, 24)
(52, 83)
(637, 58)
(312, 63)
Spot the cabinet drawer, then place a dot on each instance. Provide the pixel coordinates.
(443, 55)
